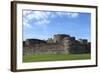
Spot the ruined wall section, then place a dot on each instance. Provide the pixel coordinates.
(60, 44)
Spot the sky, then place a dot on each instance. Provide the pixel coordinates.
(45, 24)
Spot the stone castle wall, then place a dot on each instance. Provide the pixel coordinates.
(60, 44)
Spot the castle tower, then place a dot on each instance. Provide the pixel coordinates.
(59, 37)
(67, 45)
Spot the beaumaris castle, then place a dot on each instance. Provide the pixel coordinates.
(59, 44)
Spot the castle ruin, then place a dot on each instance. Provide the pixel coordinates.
(59, 44)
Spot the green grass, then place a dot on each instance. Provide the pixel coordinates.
(37, 58)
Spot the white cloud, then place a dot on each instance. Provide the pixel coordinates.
(42, 18)
(25, 12)
(38, 15)
(43, 22)
(61, 13)
(68, 14)
(25, 23)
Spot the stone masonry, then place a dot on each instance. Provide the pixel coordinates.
(60, 44)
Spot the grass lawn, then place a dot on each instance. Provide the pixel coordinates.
(49, 57)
